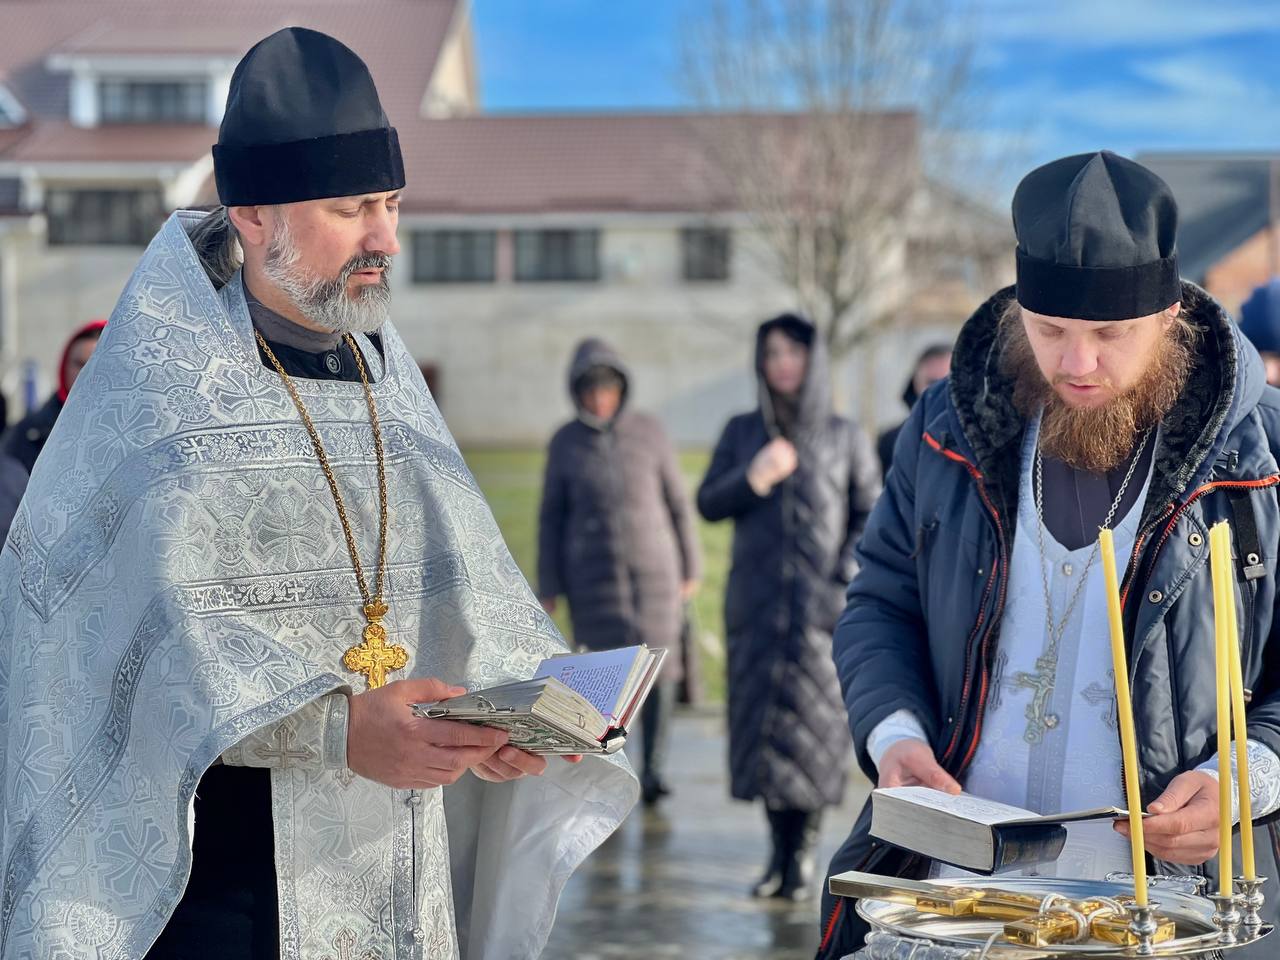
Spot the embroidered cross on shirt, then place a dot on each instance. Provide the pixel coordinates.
(1095, 694)
(285, 752)
(345, 943)
(996, 697)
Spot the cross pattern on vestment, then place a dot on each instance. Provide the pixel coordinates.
(345, 943)
(998, 666)
(1039, 718)
(374, 658)
(1095, 693)
(285, 752)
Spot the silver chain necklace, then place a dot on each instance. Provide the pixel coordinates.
(1039, 719)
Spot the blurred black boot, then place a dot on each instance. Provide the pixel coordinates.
(798, 868)
(771, 882)
(655, 728)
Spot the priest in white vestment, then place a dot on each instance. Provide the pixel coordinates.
(249, 545)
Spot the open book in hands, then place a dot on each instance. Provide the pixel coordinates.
(575, 702)
(971, 832)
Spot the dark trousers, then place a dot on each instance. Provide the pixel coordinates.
(655, 731)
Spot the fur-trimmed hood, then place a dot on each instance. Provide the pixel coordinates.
(1225, 384)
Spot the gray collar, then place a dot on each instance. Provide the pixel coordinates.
(277, 329)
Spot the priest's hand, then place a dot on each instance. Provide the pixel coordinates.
(387, 743)
(512, 764)
(1183, 826)
(911, 763)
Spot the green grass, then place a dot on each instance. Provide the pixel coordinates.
(512, 482)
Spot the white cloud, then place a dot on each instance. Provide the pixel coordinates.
(1200, 76)
(1200, 97)
(1103, 23)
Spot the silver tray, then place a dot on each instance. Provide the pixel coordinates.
(1193, 915)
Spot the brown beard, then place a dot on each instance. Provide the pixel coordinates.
(1096, 439)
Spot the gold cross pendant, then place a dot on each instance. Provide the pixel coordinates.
(373, 657)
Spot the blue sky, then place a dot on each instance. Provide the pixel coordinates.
(1065, 76)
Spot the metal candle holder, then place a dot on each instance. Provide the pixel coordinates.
(1031, 918)
(1250, 900)
(1226, 918)
(1143, 926)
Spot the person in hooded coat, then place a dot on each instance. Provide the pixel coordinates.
(933, 364)
(799, 482)
(1260, 323)
(25, 439)
(616, 534)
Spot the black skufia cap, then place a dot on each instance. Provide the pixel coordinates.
(303, 122)
(1097, 239)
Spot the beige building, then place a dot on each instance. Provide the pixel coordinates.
(1228, 219)
(521, 234)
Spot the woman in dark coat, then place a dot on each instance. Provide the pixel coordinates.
(26, 438)
(798, 482)
(616, 535)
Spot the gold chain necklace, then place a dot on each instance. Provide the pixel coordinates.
(373, 658)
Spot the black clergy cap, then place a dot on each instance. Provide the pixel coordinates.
(1096, 239)
(303, 122)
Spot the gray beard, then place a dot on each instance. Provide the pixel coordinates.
(326, 303)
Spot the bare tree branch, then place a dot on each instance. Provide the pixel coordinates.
(823, 109)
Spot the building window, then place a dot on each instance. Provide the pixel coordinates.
(453, 256)
(103, 216)
(557, 255)
(145, 101)
(11, 112)
(705, 253)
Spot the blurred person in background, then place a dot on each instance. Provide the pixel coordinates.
(931, 366)
(25, 439)
(13, 484)
(13, 479)
(799, 482)
(1260, 322)
(616, 535)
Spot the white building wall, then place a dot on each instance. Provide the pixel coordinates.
(56, 290)
(502, 349)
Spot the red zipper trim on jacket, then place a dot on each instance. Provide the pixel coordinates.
(1258, 484)
(992, 579)
(1169, 511)
(831, 924)
(862, 864)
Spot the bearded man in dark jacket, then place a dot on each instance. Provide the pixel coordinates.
(973, 652)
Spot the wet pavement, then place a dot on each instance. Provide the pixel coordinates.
(673, 882)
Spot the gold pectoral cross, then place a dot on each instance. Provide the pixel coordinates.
(373, 657)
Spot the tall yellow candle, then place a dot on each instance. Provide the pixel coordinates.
(1124, 711)
(1220, 566)
(1240, 724)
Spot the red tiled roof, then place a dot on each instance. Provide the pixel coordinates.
(58, 141)
(484, 164)
(399, 39)
(599, 162)
(112, 36)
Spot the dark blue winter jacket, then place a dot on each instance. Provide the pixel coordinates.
(922, 625)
